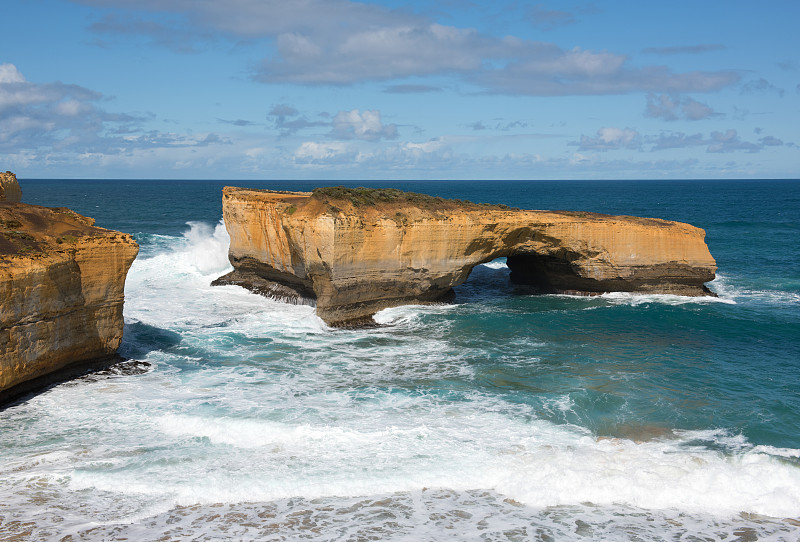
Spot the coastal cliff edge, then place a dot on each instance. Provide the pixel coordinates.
(61, 292)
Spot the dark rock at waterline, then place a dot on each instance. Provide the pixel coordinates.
(85, 371)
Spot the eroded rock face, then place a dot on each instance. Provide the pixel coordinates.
(9, 187)
(357, 252)
(61, 292)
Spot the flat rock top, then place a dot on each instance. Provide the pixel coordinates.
(258, 194)
(360, 198)
(361, 201)
(31, 230)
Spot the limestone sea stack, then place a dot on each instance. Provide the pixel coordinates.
(356, 251)
(61, 293)
(9, 188)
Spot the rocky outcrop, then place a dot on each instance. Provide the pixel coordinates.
(9, 187)
(61, 293)
(357, 251)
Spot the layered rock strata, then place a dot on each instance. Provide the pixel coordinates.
(9, 187)
(357, 251)
(61, 294)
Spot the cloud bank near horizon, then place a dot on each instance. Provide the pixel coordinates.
(363, 89)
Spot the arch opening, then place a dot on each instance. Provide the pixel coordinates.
(547, 273)
(527, 273)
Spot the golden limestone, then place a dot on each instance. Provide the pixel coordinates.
(61, 292)
(357, 251)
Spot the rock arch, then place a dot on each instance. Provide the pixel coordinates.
(353, 252)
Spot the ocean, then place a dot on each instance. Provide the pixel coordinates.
(501, 416)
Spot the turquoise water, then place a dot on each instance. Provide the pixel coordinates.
(504, 416)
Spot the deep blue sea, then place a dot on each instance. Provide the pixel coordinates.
(502, 416)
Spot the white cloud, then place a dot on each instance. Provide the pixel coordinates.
(729, 141)
(341, 42)
(10, 74)
(577, 62)
(673, 107)
(426, 147)
(401, 156)
(694, 110)
(54, 114)
(312, 152)
(357, 125)
(590, 73)
(611, 139)
(382, 53)
(678, 140)
(716, 142)
(298, 48)
(65, 122)
(71, 108)
(271, 17)
(363, 125)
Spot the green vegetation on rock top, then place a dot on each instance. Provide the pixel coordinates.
(365, 197)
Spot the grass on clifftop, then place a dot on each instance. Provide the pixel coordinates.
(371, 197)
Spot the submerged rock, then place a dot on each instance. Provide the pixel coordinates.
(357, 251)
(61, 294)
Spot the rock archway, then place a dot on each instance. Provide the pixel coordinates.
(356, 251)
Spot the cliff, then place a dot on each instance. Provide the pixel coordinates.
(9, 187)
(61, 293)
(357, 251)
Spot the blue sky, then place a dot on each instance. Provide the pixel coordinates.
(338, 89)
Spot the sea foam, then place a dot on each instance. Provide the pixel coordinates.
(260, 421)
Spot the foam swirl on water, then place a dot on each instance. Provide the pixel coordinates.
(261, 422)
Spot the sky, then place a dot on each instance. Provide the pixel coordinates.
(393, 89)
